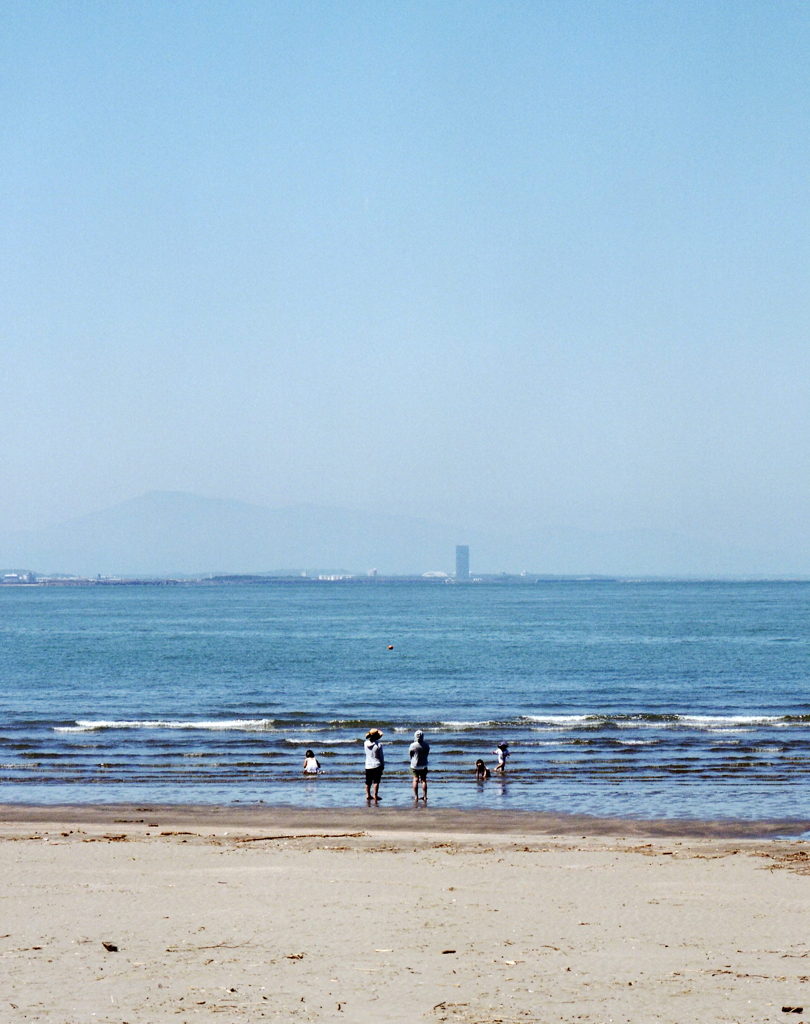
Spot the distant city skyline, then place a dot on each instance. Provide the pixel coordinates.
(462, 561)
(171, 533)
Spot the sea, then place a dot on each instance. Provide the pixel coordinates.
(632, 699)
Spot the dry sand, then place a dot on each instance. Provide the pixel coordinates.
(360, 916)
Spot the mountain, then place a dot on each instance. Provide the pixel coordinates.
(172, 533)
(166, 533)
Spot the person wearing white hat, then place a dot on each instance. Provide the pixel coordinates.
(375, 764)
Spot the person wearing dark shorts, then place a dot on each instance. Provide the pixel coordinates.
(375, 763)
(418, 752)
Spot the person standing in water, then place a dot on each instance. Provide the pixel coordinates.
(502, 750)
(375, 764)
(419, 751)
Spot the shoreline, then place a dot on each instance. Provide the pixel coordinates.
(399, 820)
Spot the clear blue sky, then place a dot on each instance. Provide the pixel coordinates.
(498, 264)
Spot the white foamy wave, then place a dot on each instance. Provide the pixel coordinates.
(596, 722)
(707, 722)
(644, 723)
(461, 726)
(225, 725)
(724, 722)
(561, 721)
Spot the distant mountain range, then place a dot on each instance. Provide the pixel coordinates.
(167, 533)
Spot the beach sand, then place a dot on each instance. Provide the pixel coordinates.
(243, 915)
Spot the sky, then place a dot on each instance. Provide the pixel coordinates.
(505, 265)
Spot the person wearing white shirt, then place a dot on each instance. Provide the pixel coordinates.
(375, 764)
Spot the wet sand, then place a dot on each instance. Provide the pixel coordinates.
(422, 819)
(254, 913)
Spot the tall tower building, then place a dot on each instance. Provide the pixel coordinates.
(462, 561)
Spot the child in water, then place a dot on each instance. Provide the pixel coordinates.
(502, 750)
(481, 771)
(312, 766)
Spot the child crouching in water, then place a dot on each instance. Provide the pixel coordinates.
(481, 771)
(312, 766)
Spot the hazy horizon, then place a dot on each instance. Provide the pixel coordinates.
(163, 534)
(527, 270)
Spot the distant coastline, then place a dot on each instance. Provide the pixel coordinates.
(32, 579)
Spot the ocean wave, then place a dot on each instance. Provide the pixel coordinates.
(362, 723)
(555, 723)
(664, 721)
(562, 721)
(301, 741)
(224, 725)
(593, 722)
(723, 722)
(462, 726)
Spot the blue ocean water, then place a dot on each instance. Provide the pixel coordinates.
(637, 699)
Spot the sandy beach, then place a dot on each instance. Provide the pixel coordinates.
(257, 914)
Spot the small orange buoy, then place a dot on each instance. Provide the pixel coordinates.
(390, 647)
